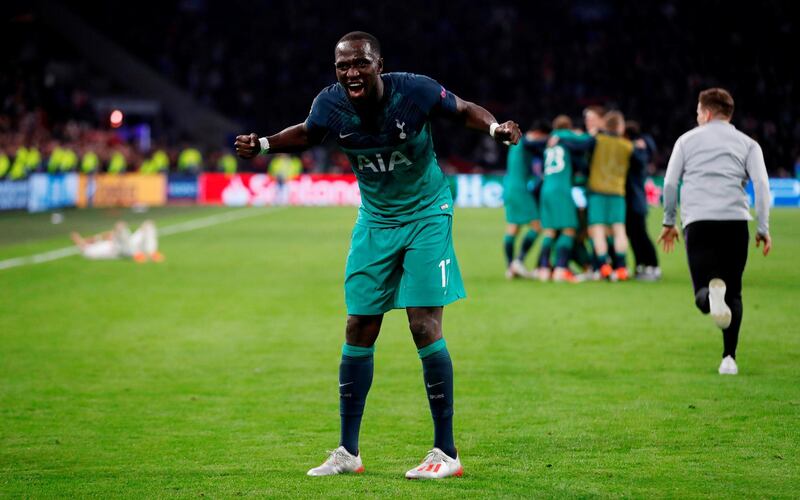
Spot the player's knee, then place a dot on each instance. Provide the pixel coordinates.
(424, 328)
(362, 330)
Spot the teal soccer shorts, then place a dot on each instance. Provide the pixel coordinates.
(558, 210)
(606, 209)
(412, 265)
(520, 205)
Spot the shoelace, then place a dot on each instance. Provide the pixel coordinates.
(336, 456)
(434, 456)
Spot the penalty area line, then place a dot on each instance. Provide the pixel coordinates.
(181, 227)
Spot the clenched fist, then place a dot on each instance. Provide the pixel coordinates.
(508, 133)
(247, 146)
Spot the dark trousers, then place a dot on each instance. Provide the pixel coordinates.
(718, 249)
(641, 244)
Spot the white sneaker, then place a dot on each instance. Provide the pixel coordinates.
(728, 366)
(437, 465)
(340, 461)
(517, 268)
(719, 309)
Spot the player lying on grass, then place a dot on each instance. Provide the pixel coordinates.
(119, 243)
(401, 250)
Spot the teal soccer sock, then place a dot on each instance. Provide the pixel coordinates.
(619, 260)
(355, 379)
(527, 243)
(544, 253)
(599, 261)
(563, 250)
(437, 370)
(508, 247)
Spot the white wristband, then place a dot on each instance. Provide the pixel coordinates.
(492, 128)
(264, 145)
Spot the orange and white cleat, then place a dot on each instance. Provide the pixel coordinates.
(157, 257)
(436, 465)
(621, 273)
(340, 461)
(139, 257)
(562, 275)
(606, 271)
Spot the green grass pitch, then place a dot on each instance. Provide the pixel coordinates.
(215, 373)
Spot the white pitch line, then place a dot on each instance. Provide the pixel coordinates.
(182, 227)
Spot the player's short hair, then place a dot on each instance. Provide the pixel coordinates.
(595, 108)
(542, 126)
(613, 119)
(632, 129)
(362, 35)
(562, 122)
(717, 100)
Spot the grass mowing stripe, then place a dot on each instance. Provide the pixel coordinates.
(38, 258)
(191, 225)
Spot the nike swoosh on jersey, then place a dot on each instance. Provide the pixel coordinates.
(345, 135)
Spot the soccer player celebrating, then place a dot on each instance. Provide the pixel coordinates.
(520, 205)
(714, 162)
(559, 213)
(401, 252)
(611, 158)
(644, 251)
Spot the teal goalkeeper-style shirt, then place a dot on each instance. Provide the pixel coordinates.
(390, 150)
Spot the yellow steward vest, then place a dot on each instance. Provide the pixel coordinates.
(610, 162)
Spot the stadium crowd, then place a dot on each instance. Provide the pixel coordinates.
(532, 67)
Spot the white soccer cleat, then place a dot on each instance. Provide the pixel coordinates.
(437, 465)
(340, 461)
(720, 311)
(728, 366)
(517, 268)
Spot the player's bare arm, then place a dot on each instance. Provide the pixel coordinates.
(479, 118)
(288, 140)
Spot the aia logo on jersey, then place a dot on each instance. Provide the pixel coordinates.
(379, 164)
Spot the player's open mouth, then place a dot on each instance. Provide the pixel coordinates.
(355, 89)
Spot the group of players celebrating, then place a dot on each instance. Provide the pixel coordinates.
(584, 200)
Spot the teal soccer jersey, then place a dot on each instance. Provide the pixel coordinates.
(519, 202)
(401, 251)
(557, 206)
(391, 152)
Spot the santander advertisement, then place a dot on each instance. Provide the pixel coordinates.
(260, 189)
